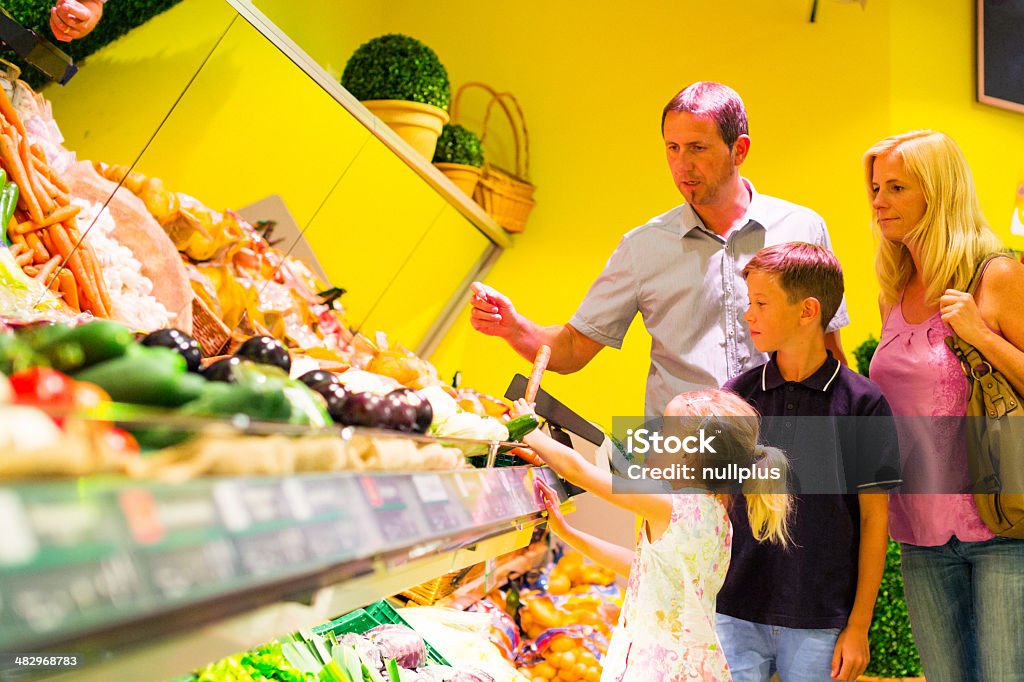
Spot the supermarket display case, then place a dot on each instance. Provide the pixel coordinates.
(135, 574)
(146, 578)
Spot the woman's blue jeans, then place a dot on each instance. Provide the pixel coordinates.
(966, 603)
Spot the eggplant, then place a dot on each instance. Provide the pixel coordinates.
(367, 409)
(265, 350)
(336, 395)
(412, 412)
(222, 370)
(316, 377)
(178, 341)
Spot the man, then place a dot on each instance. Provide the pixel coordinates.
(682, 270)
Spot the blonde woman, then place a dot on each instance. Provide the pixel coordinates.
(666, 629)
(964, 586)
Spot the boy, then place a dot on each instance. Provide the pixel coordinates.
(805, 612)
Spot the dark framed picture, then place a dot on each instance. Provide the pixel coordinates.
(1000, 38)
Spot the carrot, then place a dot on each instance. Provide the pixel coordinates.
(93, 265)
(69, 288)
(39, 251)
(540, 364)
(44, 238)
(73, 258)
(39, 162)
(24, 259)
(60, 215)
(47, 269)
(12, 162)
(43, 179)
(96, 273)
(59, 197)
(8, 111)
(45, 200)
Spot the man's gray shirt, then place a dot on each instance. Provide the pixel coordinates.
(687, 283)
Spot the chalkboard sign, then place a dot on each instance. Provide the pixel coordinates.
(1001, 53)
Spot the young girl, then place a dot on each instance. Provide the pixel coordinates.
(666, 631)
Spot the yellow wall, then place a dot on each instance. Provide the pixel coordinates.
(592, 79)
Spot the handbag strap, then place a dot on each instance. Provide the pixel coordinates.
(982, 266)
(999, 395)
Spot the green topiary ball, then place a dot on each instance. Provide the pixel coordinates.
(863, 353)
(459, 145)
(395, 66)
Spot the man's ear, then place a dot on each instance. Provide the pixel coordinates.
(810, 311)
(740, 148)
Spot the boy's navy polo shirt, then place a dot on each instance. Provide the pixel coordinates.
(812, 584)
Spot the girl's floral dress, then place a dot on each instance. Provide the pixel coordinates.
(666, 631)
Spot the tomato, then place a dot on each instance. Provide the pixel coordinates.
(120, 440)
(87, 396)
(43, 387)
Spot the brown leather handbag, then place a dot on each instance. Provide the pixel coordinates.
(995, 435)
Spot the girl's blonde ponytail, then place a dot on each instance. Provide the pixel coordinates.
(767, 509)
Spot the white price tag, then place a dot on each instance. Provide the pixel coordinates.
(430, 488)
(295, 495)
(231, 506)
(19, 545)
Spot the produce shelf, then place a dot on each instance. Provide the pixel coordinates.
(145, 576)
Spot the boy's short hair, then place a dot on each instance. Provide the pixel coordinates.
(804, 271)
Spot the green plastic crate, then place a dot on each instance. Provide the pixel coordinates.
(505, 460)
(363, 620)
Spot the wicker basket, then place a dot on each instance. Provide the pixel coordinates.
(208, 329)
(507, 197)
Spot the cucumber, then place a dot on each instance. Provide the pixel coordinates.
(520, 426)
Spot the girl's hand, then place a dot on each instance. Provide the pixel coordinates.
(556, 521)
(521, 407)
(960, 312)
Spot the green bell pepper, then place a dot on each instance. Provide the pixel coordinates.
(8, 201)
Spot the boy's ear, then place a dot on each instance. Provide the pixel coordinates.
(810, 311)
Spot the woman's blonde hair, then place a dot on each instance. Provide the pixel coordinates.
(737, 427)
(952, 236)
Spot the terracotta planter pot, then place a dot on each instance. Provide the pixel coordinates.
(465, 177)
(416, 123)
